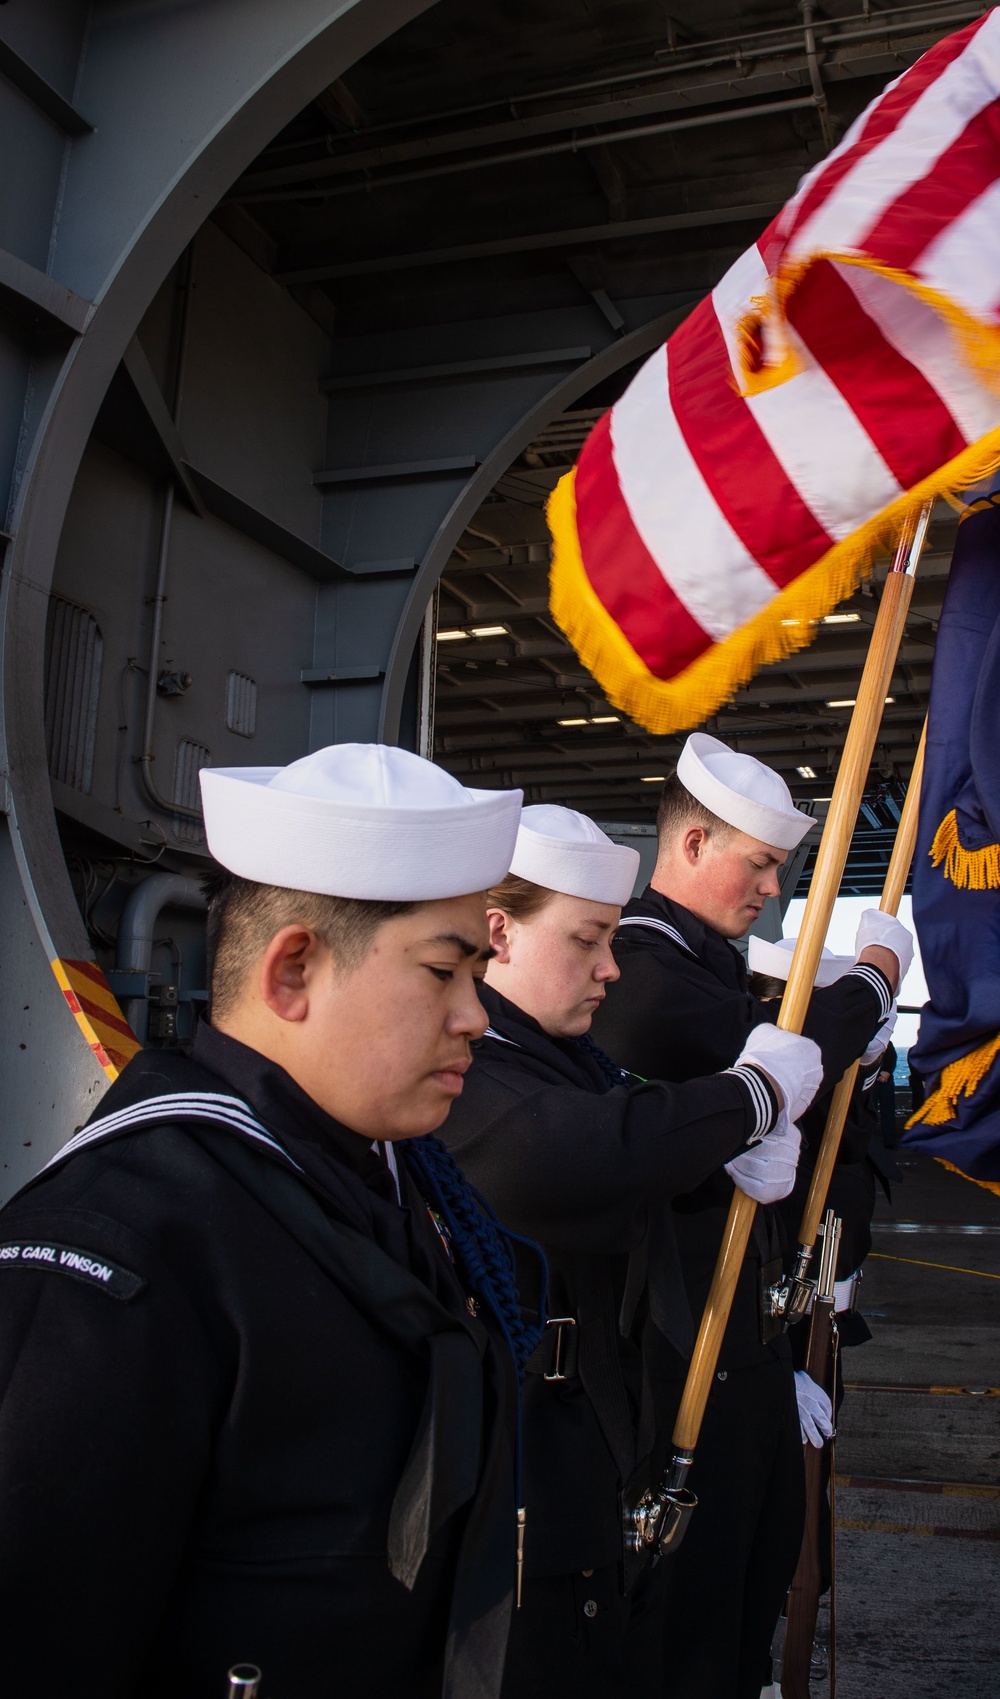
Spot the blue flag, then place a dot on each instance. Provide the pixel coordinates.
(956, 872)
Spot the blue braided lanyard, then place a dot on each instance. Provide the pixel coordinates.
(481, 1247)
(482, 1250)
(611, 1071)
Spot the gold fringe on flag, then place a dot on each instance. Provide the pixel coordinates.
(970, 870)
(766, 323)
(782, 627)
(958, 1079)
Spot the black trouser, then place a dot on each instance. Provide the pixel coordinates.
(725, 1589)
(577, 1637)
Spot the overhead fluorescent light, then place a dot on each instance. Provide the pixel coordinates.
(453, 636)
(652, 778)
(852, 702)
(805, 772)
(487, 630)
(572, 722)
(605, 720)
(822, 799)
(841, 619)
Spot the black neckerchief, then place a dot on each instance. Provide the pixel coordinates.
(562, 1055)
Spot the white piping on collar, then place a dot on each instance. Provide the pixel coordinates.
(663, 926)
(175, 1106)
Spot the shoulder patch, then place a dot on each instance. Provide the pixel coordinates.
(98, 1271)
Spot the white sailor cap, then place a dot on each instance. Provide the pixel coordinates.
(742, 791)
(776, 959)
(564, 851)
(359, 820)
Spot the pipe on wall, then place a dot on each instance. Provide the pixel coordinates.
(136, 928)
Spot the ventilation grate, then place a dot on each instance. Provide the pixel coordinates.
(241, 704)
(74, 653)
(190, 758)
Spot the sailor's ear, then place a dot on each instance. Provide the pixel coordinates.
(499, 922)
(693, 843)
(287, 969)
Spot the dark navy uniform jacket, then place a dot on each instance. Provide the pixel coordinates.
(235, 1377)
(682, 1008)
(584, 1167)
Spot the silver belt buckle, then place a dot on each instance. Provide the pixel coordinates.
(560, 1322)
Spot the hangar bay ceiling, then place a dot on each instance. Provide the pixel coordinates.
(615, 158)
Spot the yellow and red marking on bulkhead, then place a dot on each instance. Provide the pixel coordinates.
(97, 1014)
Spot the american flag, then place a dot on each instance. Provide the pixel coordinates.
(844, 370)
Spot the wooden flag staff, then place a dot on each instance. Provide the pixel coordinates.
(892, 891)
(664, 1520)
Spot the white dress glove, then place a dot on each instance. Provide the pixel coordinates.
(881, 1040)
(815, 1410)
(767, 1172)
(889, 934)
(794, 1064)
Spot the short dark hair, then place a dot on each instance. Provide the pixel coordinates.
(766, 986)
(678, 810)
(520, 898)
(243, 917)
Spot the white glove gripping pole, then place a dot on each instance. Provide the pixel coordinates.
(877, 927)
(793, 1063)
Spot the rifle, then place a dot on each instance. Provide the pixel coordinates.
(803, 1599)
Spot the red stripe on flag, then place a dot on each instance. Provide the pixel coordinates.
(927, 207)
(885, 117)
(622, 571)
(745, 476)
(903, 414)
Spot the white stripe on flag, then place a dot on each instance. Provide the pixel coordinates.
(923, 337)
(964, 260)
(909, 152)
(786, 218)
(823, 448)
(675, 513)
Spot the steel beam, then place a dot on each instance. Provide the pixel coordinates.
(756, 212)
(38, 300)
(41, 93)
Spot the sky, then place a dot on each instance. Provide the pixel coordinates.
(840, 939)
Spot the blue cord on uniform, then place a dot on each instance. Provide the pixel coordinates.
(611, 1071)
(480, 1245)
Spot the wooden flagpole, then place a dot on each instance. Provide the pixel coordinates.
(838, 831)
